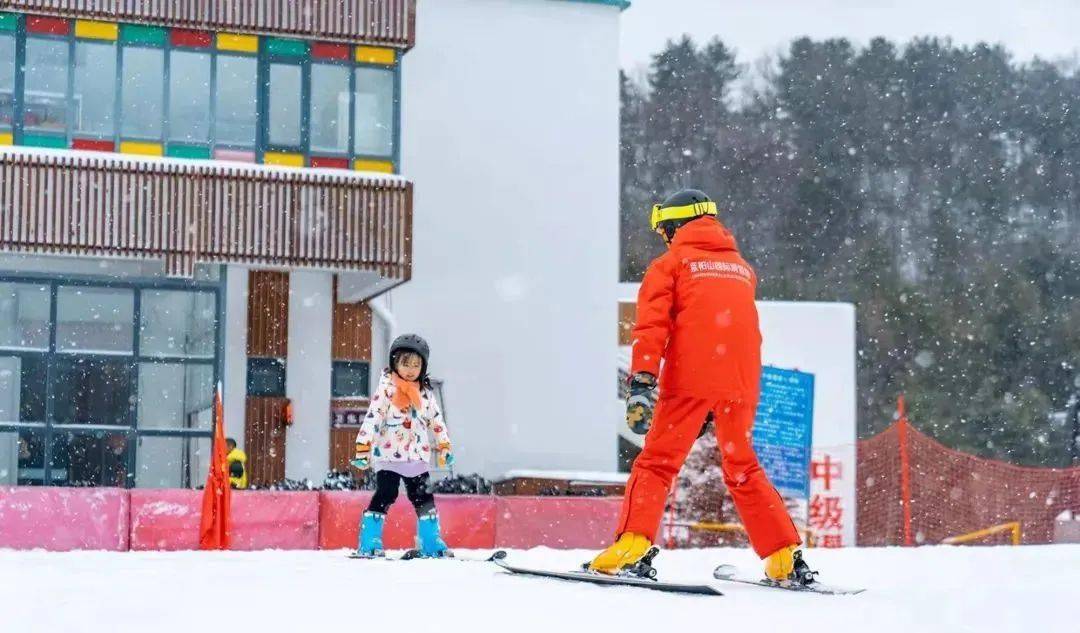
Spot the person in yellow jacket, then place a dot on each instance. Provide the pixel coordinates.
(237, 465)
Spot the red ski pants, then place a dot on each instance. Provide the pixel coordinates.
(675, 426)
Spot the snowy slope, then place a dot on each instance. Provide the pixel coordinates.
(911, 591)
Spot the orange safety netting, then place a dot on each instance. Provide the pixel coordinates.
(912, 490)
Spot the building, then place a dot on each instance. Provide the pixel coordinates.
(261, 193)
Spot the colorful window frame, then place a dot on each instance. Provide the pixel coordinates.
(265, 50)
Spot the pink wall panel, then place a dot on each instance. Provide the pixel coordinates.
(169, 520)
(63, 519)
(559, 522)
(165, 519)
(275, 520)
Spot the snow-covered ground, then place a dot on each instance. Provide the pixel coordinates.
(999, 589)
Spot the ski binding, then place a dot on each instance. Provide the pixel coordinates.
(730, 573)
(642, 575)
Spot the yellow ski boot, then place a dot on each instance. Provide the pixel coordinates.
(780, 564)
(786, 564)
(623, 554)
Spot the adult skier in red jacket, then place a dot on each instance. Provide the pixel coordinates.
(696, 311)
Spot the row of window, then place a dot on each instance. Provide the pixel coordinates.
(348, 378)
(196, 96)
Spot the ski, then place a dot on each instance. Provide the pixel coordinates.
(414, 554)
(730, 573)
(611, 581)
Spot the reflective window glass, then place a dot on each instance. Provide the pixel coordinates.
(284, 105)
(143, 93)
(95, 88)
(189, 97)
(45, 104)
(234, 122)
(329, 108)
(373, 110)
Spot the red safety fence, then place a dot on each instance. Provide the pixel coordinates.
(60, 519)
(911, 490)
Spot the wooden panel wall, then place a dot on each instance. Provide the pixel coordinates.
(268, 336)
(264, 440)
(342, 448)
(351, 336)
(268, 314)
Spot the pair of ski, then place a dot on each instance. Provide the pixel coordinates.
(646, 579)
(415, 554)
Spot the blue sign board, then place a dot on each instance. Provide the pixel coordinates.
(783, 429)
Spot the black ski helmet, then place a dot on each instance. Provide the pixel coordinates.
(679, 208)
(411, 343)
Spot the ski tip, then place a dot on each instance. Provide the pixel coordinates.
(724, 572)
(497, 555)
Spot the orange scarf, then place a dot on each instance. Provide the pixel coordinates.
(405, 393)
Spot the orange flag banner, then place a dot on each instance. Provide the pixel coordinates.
(217, 496)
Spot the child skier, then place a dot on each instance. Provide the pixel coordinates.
(394, 440)
(696, 311)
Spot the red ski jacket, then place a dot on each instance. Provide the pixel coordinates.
(696, 310)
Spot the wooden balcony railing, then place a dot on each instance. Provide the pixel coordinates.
(185, 212)
(381, 22)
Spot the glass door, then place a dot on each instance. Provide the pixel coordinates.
(106, 384)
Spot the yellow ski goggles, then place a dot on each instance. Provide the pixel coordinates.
(661, 213)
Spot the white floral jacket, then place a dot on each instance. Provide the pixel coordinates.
(397, 435)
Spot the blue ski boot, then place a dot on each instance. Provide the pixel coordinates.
(371, 527)
(428, 539)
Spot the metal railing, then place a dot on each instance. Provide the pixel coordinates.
(1013, 528)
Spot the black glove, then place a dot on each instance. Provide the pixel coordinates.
(639, 405)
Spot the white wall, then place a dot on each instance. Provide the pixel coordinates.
(234, 381)
(510, 134)
(307, 375)
(819, 338)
